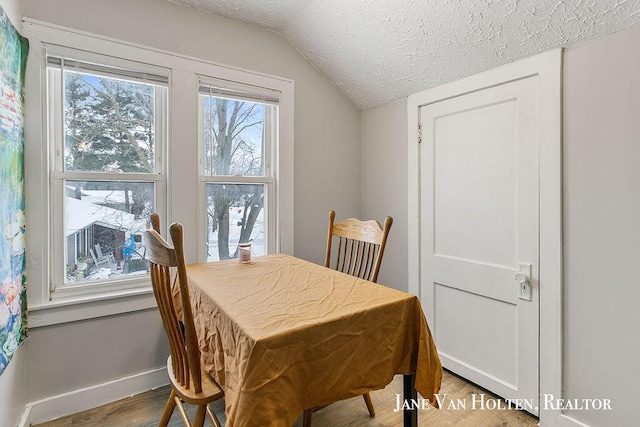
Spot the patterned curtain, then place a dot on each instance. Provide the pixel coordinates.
(13, 301)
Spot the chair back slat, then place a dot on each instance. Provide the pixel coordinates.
(185, 353)
(360, 248)
(339, 257)
(363, 259)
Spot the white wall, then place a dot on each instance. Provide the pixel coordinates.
(602, 226)
(327, 171)
(13, 379)
(13, 9)
(66, 357)
(383, 163)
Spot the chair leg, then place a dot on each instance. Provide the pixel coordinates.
(183, 414)
(307, 415)
(369, 403)
(168, 409)
(200, 413)
(212, 417)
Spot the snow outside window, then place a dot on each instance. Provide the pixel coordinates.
(107, 133)
(238, 133)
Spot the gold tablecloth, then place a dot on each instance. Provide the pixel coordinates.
(281, 334)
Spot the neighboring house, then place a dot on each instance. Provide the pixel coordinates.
(89, 224)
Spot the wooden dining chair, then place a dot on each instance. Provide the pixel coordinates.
(189, 382)
(360, 247)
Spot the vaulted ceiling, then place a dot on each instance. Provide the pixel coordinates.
(376, 51)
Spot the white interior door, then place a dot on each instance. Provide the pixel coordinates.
(479, 239)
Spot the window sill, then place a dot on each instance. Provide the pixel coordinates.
(90, 307)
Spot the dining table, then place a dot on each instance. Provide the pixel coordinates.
(280, 334)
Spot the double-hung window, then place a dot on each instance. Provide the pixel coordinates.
(116, 131)
(106, 132)
(238, 138)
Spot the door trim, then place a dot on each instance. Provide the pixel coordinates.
(548, 68)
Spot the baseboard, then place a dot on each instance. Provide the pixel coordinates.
(567, 421)
(90, 397)
(25, 421)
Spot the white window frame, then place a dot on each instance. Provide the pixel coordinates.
(182, 191)
(270, 155)
(58, 176)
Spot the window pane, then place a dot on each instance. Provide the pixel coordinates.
(235, 215)
(233, 135)
(109, 124)
(104, 221)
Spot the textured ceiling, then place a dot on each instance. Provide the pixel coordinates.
(376, 51)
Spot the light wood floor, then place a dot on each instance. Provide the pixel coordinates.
(144, 410)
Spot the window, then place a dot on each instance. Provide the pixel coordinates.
(238, 132)
(106, 133)
(112, 136)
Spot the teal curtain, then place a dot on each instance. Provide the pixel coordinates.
(13, 301)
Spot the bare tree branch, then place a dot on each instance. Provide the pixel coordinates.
(245, 127)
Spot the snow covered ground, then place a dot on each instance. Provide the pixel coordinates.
(79, 215)
(257, 235)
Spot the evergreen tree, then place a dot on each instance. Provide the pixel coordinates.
(110, 127)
